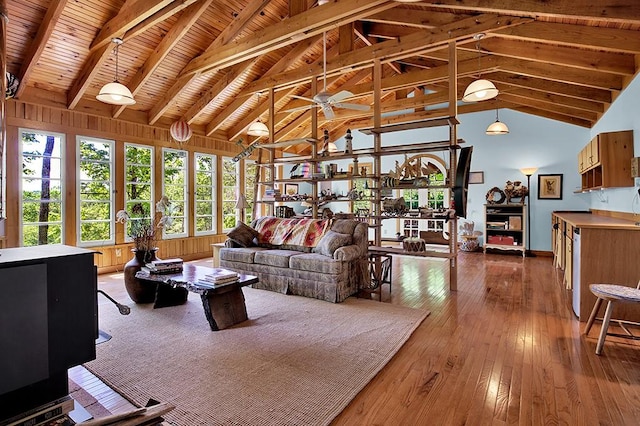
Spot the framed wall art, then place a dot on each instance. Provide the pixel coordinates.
(476, 177)
(550, 187)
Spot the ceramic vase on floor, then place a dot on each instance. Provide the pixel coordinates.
(139, 291)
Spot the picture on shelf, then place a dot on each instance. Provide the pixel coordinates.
(291, 188)
(550, 187)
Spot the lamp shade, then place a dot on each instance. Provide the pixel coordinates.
(181, 131)
(115, 93)
(480, 90)
(332, 147)
(242, 202)
(258, 128)
(497, 128)
(528, 171)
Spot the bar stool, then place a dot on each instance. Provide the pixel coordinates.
(611, 293)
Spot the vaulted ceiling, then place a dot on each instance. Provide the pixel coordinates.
(220, 65)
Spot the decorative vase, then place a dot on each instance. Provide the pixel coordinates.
(139, 291)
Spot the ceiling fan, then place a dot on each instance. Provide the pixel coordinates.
(325, 100)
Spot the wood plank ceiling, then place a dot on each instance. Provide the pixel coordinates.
(215, 63)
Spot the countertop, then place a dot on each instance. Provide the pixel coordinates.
(590, 220)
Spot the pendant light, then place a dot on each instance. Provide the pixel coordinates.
(497, 128)
(258, 128)
(481, 89)
(116, 93)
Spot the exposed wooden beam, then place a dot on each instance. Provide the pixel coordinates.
(39, 43)
(175, 34)
(612, 11)
(425, 19)
(595, 79)
(611, 39)
(89, 70)
(548, 86)
(232, 30)
(587, 59)
(566, 101)
(296, 28)
(551, 107)
(390, 50)
(228, 78)
(131, 14)
(292, 56)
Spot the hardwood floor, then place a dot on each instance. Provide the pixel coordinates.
(503, 349)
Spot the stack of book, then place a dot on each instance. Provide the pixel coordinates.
(53, 413)
(218, 276)
(166, 266)
(272, 194)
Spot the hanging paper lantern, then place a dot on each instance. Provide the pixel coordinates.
(181, 131)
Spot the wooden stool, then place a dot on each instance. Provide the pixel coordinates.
(611, 293)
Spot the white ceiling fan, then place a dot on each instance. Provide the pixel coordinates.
(325, 100)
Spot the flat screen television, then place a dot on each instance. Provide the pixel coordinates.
(461, 183)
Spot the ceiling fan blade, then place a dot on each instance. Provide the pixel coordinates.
(328, 112)
(358, 107)
(302, 108)
(341, 95)
(302, 97)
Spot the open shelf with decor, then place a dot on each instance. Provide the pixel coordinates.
(505, 227)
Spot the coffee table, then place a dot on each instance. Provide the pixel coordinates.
(223, 304)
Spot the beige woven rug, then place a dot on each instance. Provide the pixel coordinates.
(296, 361)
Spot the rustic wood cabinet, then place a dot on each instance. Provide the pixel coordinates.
(605, 162)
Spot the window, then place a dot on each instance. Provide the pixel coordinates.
(174, 186)
(250, 168)
(95, 191)
(138, 181)
(41, 205)
(205, 198)
(230, 179)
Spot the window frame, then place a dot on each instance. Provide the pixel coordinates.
(236, 188)
(62, 179)
(214, 194)
(185, 191)
(152, 209)
(79, 221)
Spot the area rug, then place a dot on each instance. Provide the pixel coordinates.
(296, 361)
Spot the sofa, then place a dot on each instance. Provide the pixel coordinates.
(325, 259)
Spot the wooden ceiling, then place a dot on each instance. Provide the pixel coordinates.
(215, 63)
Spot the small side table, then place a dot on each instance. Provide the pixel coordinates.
(216, 254)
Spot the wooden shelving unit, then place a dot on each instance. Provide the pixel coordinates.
(505, 227)
(605, 162)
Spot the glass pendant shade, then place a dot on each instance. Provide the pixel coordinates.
(480, 90)
(332, 147)
(258, 128)
(497, 128)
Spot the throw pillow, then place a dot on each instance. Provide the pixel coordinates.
(331, 241)
(243, 235)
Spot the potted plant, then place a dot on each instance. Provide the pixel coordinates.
(143, 231)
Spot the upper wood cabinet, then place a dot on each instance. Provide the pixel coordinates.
(605, 162)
